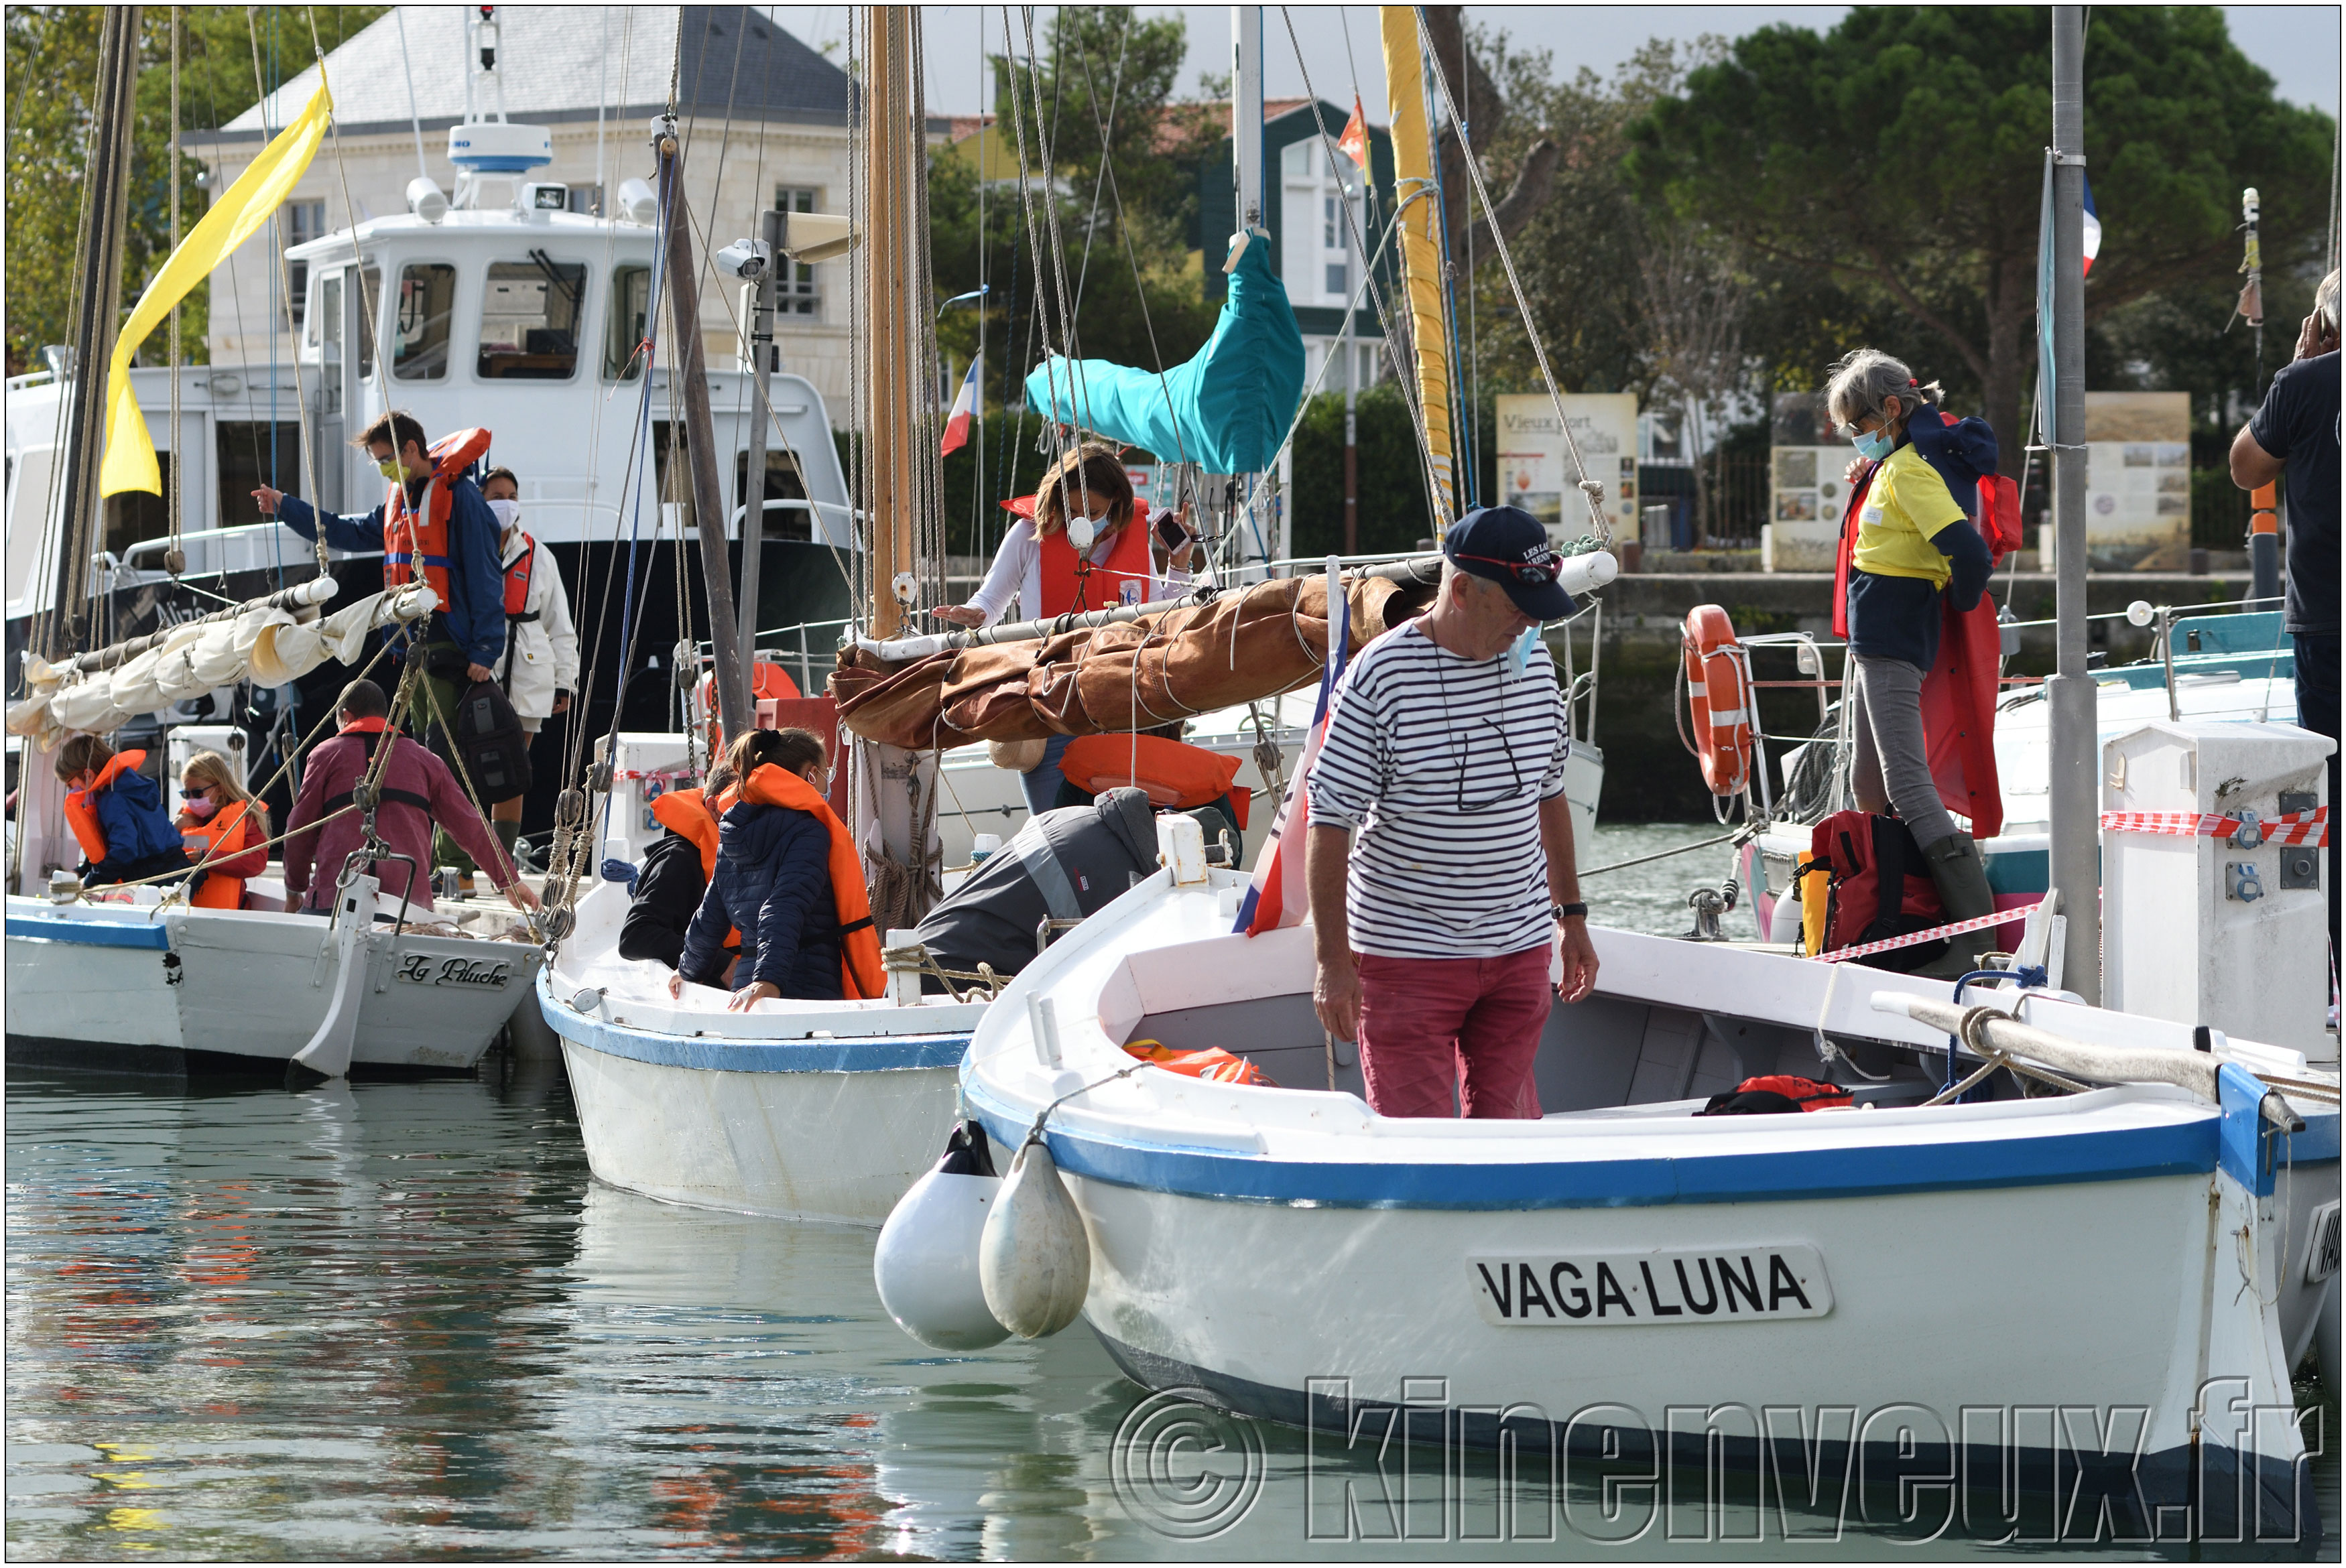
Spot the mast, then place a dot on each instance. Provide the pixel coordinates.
(2070, 693)
(891, 169)
(691, 371)
(1246, 111)
(1418, 211)
(97, 316)
(753, 476)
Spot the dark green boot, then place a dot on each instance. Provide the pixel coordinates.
(506, 833)
(1963, 894)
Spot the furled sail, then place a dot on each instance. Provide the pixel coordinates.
(265, 641)
(1419, 213)
(1227, 410)
(1126, 670)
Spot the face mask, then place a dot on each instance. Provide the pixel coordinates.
(507, 511)
(1519, 656)
(389, 468)
(200, 806)
(1873, 448)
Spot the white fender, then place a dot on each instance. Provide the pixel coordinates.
(926, 1263)
(1034, 1260)
(328, 1054)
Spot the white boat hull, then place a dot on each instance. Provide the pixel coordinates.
(796, 1110)
(122, 985)
(1953, 1278)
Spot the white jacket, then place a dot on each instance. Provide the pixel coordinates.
(541, 655)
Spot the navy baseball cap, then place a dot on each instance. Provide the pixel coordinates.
(1507, 546)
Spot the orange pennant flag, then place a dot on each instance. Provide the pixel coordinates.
(1355, 143)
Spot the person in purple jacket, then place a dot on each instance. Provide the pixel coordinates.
(417, 790)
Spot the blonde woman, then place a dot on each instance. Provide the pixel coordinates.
(1084, 546)
(221, 819)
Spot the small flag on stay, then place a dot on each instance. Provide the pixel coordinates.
(965, 410)
(1355, 143)
(2092, 223)
(1276, 897)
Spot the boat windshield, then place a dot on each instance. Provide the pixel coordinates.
(529, 320)
(631, 299)
(427, 297)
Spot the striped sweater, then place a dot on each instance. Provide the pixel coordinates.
(1440, 764)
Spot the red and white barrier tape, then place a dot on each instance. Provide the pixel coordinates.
(2296, 828)
(670, 774)
(1916, 938)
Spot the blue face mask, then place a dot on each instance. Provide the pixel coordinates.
(1519, 656)
(1873, 448)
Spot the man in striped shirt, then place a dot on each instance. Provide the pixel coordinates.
(1440, 857)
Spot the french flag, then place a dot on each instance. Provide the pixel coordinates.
(964, 409)
(1277, 897)
(2092, 223)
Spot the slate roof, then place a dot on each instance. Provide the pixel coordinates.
(564, 61)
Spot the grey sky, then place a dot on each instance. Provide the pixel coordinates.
(2298, 43)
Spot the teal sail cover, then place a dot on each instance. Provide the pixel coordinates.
(1225, 410)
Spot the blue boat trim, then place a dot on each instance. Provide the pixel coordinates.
(873, 1054)
(2123, 1154)
(90, 932)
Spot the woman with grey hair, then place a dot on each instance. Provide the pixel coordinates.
(1915, 550)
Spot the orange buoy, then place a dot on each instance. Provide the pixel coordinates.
(1720, 697)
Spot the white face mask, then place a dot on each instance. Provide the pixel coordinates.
(508, 512)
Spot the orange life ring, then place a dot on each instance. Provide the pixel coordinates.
(1719, 694)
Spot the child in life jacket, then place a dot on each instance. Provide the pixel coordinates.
(788, 879)
(224, 829)
(117, 814)
(676, 871)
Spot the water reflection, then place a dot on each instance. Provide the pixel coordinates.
(388, 1319)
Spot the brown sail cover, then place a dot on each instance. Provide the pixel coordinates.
(1164, 665)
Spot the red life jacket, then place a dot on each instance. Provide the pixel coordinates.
(517, 583)
(1877, 886)
(1071, 583)
(81, 811)
(1775, 1092)
(1959, 690)
(415, 543)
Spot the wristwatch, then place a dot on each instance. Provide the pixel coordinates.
(1567, 912)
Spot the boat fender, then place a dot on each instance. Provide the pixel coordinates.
(926, 1263)
(1033, 1259)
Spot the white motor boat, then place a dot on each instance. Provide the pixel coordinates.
(1898, 1284)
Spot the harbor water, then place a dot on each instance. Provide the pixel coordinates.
(399, 1319)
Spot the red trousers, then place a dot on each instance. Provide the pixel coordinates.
(1430, 1025)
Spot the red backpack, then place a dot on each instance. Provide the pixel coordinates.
(1878, 887)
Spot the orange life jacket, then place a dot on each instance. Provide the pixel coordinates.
(517, 581)
(1174, 773)
(860, 976)
(418, 541)
(81, 811)
(1071, 583)
(228, 834)
(689, 814)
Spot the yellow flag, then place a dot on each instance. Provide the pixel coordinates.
(244, 207)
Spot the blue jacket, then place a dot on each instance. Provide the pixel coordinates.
(476, 575)
(774, 885)
(137, 828)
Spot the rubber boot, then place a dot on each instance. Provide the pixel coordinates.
(1963, 894)
(506, 833)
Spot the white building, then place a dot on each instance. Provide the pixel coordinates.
(763, 119)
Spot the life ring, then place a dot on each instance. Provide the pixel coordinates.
(1720, 697)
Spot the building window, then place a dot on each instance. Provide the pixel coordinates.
(302, 222)
(428, 299)
(795, 292)
(529, 320)
(631, 308)
(1316, 255)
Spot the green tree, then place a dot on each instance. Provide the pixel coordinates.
(1901, 156)
(227, 53)
(1104, 76)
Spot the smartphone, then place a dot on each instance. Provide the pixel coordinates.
(1170, 530)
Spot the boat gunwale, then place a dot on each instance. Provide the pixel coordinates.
(748, 1054)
